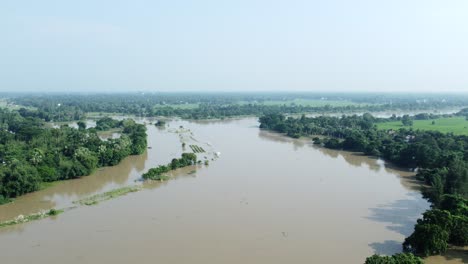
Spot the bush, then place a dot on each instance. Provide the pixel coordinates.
(4, 200)
(53, 212)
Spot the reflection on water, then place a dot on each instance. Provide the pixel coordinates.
(401, 214)
(267, 199)
(270, 136)
(388, 247)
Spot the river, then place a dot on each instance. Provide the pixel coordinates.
(266, 199)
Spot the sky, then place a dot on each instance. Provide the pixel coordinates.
(241, 45)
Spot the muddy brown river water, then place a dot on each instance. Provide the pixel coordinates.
(267, 199)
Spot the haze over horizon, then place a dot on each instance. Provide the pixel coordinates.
(257, 45)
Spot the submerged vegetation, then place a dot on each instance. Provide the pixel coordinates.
(157, 173)
(95, 199)
(92, 200)
(32, 217)
(197, 149)
(160, 123)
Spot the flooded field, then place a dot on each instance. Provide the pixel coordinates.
(267, 199)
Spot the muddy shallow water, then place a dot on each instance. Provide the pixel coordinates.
(267, 199)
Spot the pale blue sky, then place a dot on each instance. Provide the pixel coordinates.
(245, 45)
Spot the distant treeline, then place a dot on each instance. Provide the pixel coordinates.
(32, 153)
(441, 159)
(67, 107)
(423, 116)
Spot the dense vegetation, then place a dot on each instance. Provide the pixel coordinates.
(403, 258)
(445, 224)
(31, 153)
(441, 159)
(67, 107)
(107, 123)
(157, 173)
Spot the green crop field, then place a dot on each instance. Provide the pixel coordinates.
(455, 125)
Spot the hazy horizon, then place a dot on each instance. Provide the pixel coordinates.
(242, 46)
(234, 92)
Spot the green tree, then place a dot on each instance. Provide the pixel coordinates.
(438, 217)
(160, 123)
(376, 259)
(81, 125)
(87, 158)
(455, 204)
(457, 177)
(459, 232)
(19, 178)
(406, 120)
(427, 239)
